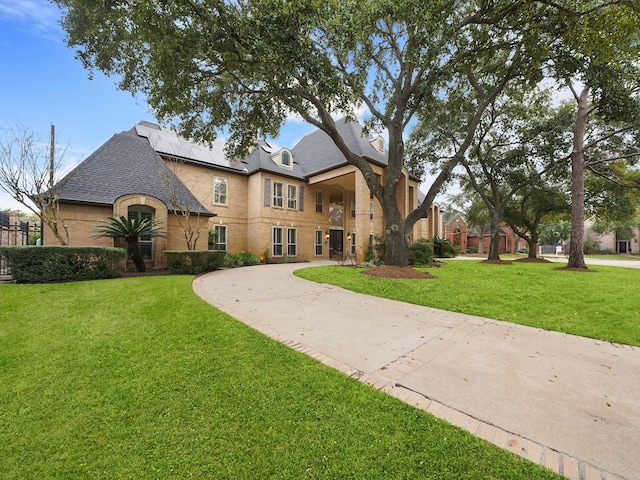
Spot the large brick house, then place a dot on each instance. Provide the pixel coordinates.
(303, 203)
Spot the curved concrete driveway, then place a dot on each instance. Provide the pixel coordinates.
(566, 402)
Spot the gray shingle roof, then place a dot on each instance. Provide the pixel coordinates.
(126, 164)
(317, 153)
(130, 163)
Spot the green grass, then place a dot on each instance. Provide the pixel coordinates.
(603, 304)
(139, 378)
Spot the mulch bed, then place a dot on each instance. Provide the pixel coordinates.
(533, 260)
(389, 271)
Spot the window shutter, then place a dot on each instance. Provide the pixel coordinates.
(301, 203)
(267, 192)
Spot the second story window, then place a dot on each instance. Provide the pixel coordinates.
(277, 194)
(319, 201)
(292, 197)
(219, 190)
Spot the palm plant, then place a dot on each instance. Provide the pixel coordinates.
(131, 230)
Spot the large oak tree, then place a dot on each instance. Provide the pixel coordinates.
(247, 65)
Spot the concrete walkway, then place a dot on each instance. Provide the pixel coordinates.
(569, 403)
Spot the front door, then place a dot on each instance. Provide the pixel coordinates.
(336, 241)
(622, 246)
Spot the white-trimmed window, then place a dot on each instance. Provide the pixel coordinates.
(219, 190)
(220, 238)
(353, 243)
(276, 244)
(352, 209)
(371, 210)
(292, 242)
(285, 158)
(292, 197)
(277, 194)
(146, 213)
(318, 239)
(319, 201)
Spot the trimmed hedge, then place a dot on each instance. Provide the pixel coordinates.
(193, 262)
(46, 264)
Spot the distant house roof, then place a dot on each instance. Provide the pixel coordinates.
(483, 230)
(107, 175)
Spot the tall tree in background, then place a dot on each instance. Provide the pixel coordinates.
(248, 65)
(29, 169)
(604, 81)
(501, 162)
(526, 212)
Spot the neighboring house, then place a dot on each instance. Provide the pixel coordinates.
(478, 238)
(611, 242)
(456, 231)
(303, 203)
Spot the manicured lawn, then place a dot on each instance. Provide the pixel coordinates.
(139, 378)
(603, 304)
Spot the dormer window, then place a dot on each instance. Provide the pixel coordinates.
(283, 158)
(378, 144)
(286, 159)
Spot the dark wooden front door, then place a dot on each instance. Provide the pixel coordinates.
(336, 241)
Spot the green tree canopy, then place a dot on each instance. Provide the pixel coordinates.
(247, 65)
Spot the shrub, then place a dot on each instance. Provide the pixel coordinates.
(46, 264)
(193, 262)
(241, 259)
(421, 252)
(443, 248)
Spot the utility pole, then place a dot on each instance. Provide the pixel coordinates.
(52, 153)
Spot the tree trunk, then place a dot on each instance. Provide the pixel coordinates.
(576, 249)
(396, 246)
(532, 241)
(494, 246)
(134, 252)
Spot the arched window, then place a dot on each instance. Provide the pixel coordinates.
(286, 159)
(336, 208)
(146, 243)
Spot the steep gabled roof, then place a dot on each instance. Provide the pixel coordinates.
(317, 153)
(126, 164)
(260, 159)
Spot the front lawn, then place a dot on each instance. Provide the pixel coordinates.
(602, 304)
(139, 378)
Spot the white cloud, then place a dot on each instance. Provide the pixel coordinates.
(36, 16)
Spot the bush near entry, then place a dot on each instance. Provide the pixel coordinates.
(421, 252)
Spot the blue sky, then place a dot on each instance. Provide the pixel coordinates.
(43, 84)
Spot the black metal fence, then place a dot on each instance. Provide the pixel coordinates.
(13, 231)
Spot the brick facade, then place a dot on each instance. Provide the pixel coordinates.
(249, 213)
